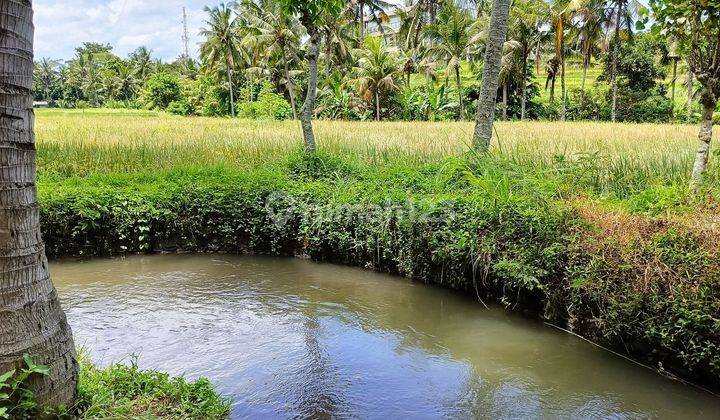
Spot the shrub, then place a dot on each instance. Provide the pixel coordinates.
(589, 104)
(116, 104)
(269, 105)
(160, 90)
(636, 106)
(181, 107)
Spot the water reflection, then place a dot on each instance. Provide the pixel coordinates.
(292, 338)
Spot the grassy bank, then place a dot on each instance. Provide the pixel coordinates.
(587, 225)
(118, 391)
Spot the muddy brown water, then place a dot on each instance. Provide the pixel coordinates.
(292, 338)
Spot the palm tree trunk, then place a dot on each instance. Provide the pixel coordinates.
(485, 117)
(538, 58)
(703, 150)
(616, 47)
(377, 105)
(306, 113)
(523, 88)
(289, 84)
(458, 82)
(689, 94)
(505, 101)
(31, 318)
(674, 80)
(586, 63)
(232, 94)
(563, 90)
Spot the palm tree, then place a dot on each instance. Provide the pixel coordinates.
(622, 16)
(561, 12)
(123, 83)
(488, 91)
(222, 50)
(142, 63)
(527, 19)
(377, 69)
(46, 76)
(31, 319)
(513, 67)
(591, 18)
(339, 40)
(415, 17)
(451, 43)
(85, 74)
(376, 13)
(277, 35)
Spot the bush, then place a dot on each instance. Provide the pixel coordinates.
(116, 104)
(586, 105)
(181, 107)
(160, 90)
(653, 106)
(269, 105)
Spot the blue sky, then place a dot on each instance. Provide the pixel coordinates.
(61, 25)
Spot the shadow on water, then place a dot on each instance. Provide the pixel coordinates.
(293, 338)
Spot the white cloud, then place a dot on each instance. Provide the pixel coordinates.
(62, 25)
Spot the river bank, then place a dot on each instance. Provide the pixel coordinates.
(645, 285)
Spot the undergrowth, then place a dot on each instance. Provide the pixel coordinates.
(118, 391)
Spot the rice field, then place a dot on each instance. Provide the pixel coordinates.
(79, 143)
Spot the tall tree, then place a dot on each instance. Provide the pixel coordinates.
(614, 52)
(222, 47)
(450, 41)
(141, 63)
(375, 10)
(31, 319)
(623, 16)
(311, 13)
(377, 69)
(485, 117)
(46, 77)
(85, 74)
(277, 35)
(590, 19)
(527, 19)
(561, 13)
(697, 22)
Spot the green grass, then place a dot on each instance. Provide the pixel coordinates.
(603, 159)
(124, 391)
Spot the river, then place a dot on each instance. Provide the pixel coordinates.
(293, 338)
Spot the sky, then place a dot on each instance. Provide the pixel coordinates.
(62, 25)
